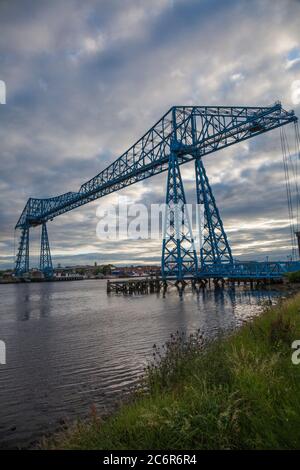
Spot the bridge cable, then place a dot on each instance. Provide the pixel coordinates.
(291, 180)
(297, 154)
(14, 248)
(293, 163)
(288, 187)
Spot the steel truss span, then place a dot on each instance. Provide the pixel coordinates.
(183, 134)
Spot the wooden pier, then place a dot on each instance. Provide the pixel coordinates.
(135, 286)
(153, 285)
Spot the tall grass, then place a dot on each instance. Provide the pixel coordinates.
(239, 392)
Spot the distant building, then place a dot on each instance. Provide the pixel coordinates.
(36, 274)
(100, 271)
(7, 275)
(136, 271)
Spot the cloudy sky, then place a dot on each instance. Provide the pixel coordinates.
(86, 79)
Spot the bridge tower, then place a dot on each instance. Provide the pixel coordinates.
(179, 257)
(22, 260)
(214, 247)
(45, 255)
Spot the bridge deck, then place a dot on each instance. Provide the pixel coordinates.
(245, 270)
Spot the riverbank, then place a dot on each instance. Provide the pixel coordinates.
(239, 392)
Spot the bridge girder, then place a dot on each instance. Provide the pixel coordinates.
(183, 134)
(200, 130)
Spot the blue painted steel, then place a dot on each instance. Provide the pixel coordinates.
(215, 249)
(179, 256)
(216, 128)
(250, 270)
(45, 255)
(22, 260)
(198, 131)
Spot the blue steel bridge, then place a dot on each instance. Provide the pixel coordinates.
(183, 134)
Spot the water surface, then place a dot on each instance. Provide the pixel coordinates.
(70, 345)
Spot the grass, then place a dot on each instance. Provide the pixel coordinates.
(239, 392)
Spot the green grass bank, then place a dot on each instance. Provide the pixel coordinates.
(239, 392)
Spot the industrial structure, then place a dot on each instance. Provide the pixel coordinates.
(183, 134)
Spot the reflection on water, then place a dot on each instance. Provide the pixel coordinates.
(70, 345)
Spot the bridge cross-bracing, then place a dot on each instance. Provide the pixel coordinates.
(184, 133)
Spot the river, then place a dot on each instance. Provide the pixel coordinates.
(69, 345)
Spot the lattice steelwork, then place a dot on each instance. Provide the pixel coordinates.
(22, 260)
(215, 248)
(45, 255)
(187, 132)
(179, 257)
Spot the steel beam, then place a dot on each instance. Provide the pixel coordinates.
(179, 258)
(215, 248)
(183, 134)
(217, 127)
(45, 255)
(22, 260)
